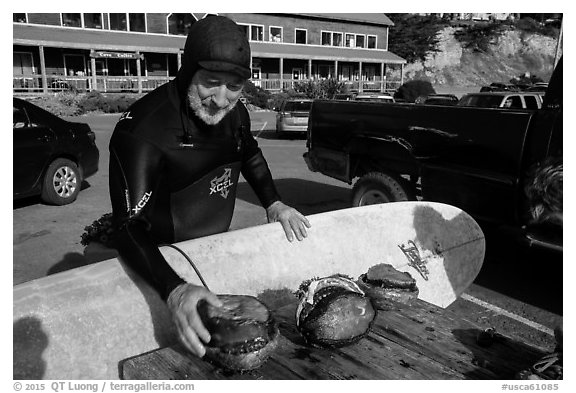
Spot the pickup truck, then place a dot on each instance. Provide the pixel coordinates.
(503, 99)
(474, 158)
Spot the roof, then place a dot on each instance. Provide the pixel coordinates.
(62, 37)
(319, 52)
(372, 18)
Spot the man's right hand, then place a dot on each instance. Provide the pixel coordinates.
(182, 303)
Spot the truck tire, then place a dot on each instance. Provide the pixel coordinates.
(378, 187)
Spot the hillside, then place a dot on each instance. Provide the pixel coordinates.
(512, 54)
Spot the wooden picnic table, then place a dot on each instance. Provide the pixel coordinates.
(417, 342)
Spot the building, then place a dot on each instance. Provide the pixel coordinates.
(136, 52)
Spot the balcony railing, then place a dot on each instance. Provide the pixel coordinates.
(287, 84)
(130, 84)
(127, 84)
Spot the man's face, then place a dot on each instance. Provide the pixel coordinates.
(213, 94)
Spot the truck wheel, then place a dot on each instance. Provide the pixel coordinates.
(378, 187)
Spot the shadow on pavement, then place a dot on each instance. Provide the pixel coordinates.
(29, 342)
(70, 261)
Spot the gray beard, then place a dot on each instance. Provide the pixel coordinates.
(204, 113)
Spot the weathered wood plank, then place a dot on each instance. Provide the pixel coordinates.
(371, 358)
(445, 338)
(417, 342)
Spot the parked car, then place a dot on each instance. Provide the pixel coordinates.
(293, 115)
(502, 99)
(52, 156)
(344, 96)
(538, 88)
(374, 98)
(496, 86)
(437, 99)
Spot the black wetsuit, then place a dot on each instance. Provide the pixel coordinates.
(173, 178)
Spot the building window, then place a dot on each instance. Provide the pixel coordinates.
(350, 42)
(360, 41)
(92, 21)
(179, 24)
(372, 42)
(137, 22)
(256, 33)
(275, 34)
(72, 20)
(128, 22)
(118, 22)
(75, 65)
(337, 39)
(23, 63)
(245, 29)
(331, 39)
(19, 18)
(300, 36)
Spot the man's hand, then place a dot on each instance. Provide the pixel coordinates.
(182, 303)
(293, 222)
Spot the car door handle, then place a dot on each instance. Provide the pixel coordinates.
(44, 138)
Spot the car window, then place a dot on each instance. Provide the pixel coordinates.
(483, 101)
(531, 102)
(298, 106)
(515, 102)
(40, 117)
(19, 118)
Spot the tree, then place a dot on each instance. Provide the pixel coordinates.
(479, 36)
(414, 36)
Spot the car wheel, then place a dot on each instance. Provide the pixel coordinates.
(61, 182)
(378, 187)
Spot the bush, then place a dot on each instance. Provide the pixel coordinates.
(413, 89)
(67, 97)
(91, 102)
(255, 95)
(325, 88)
(275, 101)
(95, 101)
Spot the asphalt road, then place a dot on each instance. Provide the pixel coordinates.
(517, 291)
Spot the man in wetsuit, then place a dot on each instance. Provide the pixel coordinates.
(175, 159)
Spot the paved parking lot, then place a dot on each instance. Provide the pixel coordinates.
(513, 293)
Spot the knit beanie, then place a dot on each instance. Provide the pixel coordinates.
(215, 43)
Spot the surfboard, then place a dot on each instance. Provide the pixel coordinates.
(440, 245)
(80, 323)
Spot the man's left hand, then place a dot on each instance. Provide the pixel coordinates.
(293, 222)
